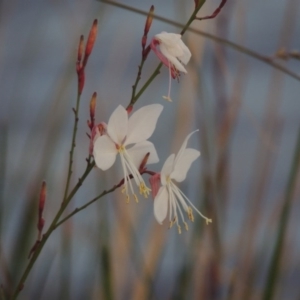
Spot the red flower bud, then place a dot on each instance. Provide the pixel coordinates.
(147, 27)
(93, 105)
(80, 52)
(42, 198)
(149, 20)
(81, 79)
(90, 41)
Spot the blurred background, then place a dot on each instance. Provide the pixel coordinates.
(247, 113)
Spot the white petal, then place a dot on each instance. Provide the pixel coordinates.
(172, 46)
(166, 52)
(105, 152)
(142, 123)
(184, 163)
(183, 146)
(118, 124)
(138, 152)
(161, 204)
(171, 42)
(186, 53)
(167, 169)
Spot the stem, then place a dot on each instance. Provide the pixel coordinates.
(52, 227)
(76, 210)
(148, 82)
(283, 222)
(138, 78)
(73, 145)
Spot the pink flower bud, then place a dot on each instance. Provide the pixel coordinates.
(149, 20)
(42, 199)
(80, 52)
(90, 41)
(93, 106)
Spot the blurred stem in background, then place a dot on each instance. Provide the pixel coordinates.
(274, 269)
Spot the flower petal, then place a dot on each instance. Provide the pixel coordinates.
(166, 52)
(167, 169)
(118, 124)
(183, 146)
(162, 58)
(105, 152)
(161, 204)
(183, 164)
(138, 152)
(142, 123)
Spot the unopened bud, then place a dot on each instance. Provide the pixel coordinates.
(81, 79)
(147, 26)
(144, 162)
(80, 51)
(149, 20)
(42, 197)
(93, 105)
(91, 41)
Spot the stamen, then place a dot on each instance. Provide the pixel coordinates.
(208, 221)
(144, 190)
(127, 198)
(168, 98)
(179, 229)
(190, 214)
(186, 226)
(173, 222)
(135, 198)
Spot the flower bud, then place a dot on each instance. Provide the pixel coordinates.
(149, 20)
(147, 28)
(93, 106)
(90, 41)
(42, 198)
(144, 162)
(81, 79)
(80, 52)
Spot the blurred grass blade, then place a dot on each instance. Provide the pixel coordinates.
(273, 271)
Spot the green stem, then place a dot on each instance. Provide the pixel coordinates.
(138, 78)
(76, 210)
(73, 145)
(283, 222)
(52, 227)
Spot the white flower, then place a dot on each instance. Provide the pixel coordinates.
(172, 52)
(128, 138)
(169, 196)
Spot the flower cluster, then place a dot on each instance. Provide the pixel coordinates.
(126, 135)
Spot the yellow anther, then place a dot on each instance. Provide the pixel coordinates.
(121, 149)
(136, 198)
(123, 189)
(172, 222)
(186, 226)
(144, 190)
(127, 198)
(208, 221)
(190, 214)
(179, 229)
